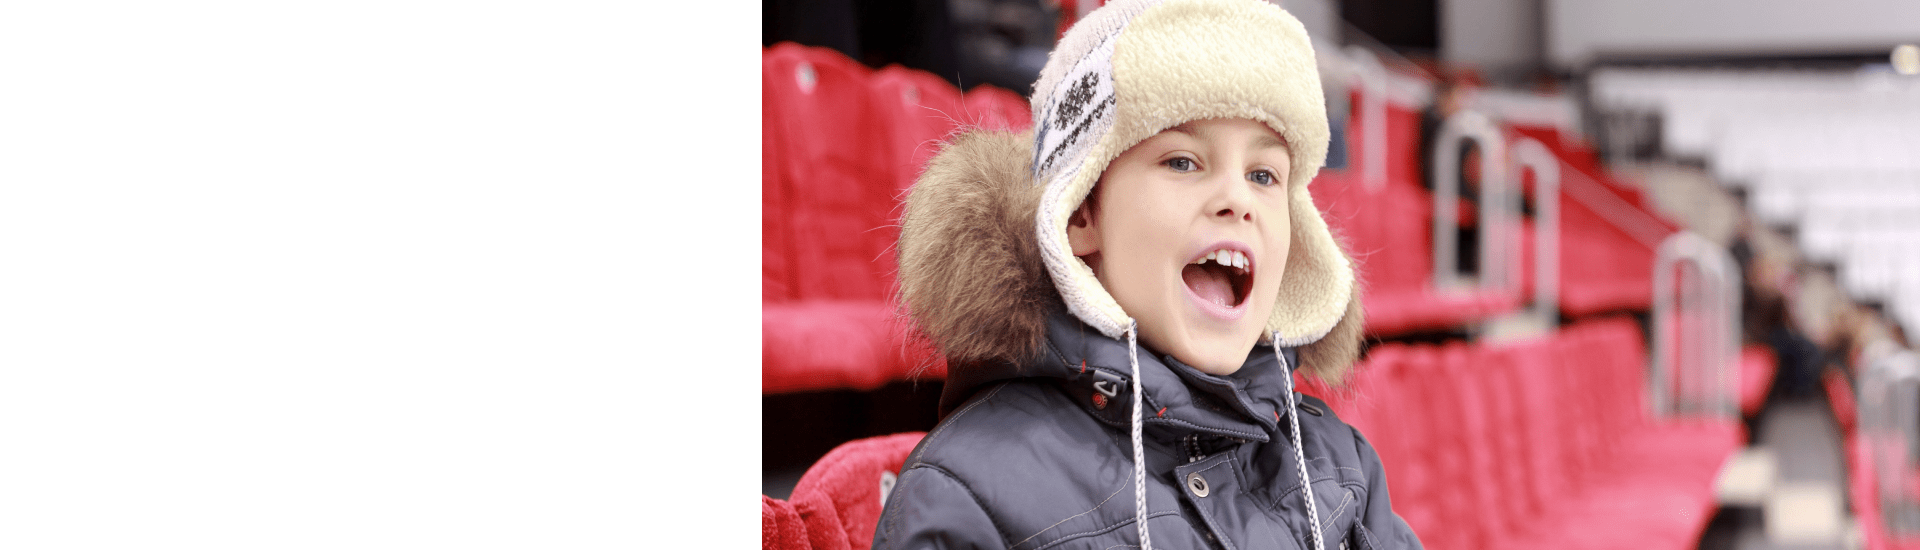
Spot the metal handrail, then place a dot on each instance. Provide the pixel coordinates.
(1499, 206)
(1708, 305)
(1889, 416)
(1530, 153)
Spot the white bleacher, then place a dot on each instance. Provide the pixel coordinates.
(1835, 154)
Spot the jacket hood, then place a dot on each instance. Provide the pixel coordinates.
(971, 275)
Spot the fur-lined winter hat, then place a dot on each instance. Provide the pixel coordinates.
(1134, 68)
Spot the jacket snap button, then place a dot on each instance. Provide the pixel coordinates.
(1197, 484)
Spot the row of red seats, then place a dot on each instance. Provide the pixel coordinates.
(1545, 442)
(1389, 230)
(1610, 268)
(840, 144)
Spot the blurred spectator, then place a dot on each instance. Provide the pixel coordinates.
(1766, 317)
(1004, 42)
(919, 34)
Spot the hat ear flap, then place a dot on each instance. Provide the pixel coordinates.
(1318, 284)
(1331, 357)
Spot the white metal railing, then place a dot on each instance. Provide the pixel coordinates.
(1529, 153)
(1696, 328)
(1889, 416)
(1498, 212)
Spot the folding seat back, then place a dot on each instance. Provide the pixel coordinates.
(830, 180)
(920, 112)
(1506, 438)
(1386, 402)
(840, 496)
(995, 108)
(1840, 396)
(1581, 407)
(1485, 414)
(781, 527)
(1622, 350)
(1432, 412)
(1379, 218)
(1757, 368)
(1540, 400)
(1607, 246)
(1472, 464)
(1365, 403)
(1592, 375)
(776, 249)
(1404, 147)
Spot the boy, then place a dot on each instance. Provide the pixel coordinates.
(1122, 296)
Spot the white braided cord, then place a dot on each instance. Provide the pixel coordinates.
(1139, 452)
(1299, 453)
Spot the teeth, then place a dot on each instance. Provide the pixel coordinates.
(1229, 258)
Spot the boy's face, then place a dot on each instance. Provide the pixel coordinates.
(1164, 216)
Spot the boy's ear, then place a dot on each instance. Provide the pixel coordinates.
(1082, 232)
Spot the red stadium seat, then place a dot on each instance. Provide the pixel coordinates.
(781, 527)
(833, 191)
(830, 187)
(1757, 369)
(1652, 487)
(1495, 368)
(777, 272)
(1385, 408)
(836, 505)
(919, 111)
(830, 344)
(1840, 396)
(993, 107)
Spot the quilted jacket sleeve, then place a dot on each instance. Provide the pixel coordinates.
(930, 509)
(1384, 528)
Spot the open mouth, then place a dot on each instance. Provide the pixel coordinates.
(1222, 277)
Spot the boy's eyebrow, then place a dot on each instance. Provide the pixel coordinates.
(1267, 141)
(1264, 141)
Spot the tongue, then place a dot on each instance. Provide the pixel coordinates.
(1210, 284)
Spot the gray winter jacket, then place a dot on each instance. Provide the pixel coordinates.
(1034, 460)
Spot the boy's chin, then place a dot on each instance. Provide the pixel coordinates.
(1218, 358)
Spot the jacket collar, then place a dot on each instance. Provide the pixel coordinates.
(1180, 400)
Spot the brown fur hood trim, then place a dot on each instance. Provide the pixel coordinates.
(971, 276)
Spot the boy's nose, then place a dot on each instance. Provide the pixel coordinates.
(1233, 199)
(1230, 213)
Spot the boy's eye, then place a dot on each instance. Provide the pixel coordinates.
(1180, 164)
(1262, 177)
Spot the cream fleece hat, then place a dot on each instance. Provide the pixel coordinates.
(1136, 67)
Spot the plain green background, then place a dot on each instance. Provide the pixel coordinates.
(378, 275)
